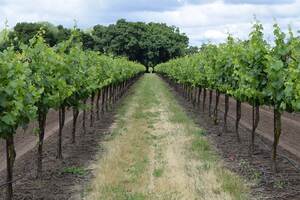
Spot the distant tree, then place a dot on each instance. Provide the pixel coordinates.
(99, 33)
(3, 39)
(88, 42)
(192, 50)
(148, 44)
(63, 33)
(24, 31)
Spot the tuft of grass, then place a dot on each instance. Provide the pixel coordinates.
(279, 184)
(232, 184)
(75, 170)
(151, 126)
(137, 168)
(199, 132)
(158, 172)
(205, 166)
(201, 150)
(253, 174)
(121, 193)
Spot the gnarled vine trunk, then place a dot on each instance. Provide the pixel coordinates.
(61, 119)
(84, 118)
(75, 117)
(204, 99)
(255, 121)
(103, 100)
(277, 133)
(199, 95)
(98, 104)
(238, 118)
(42, 123)
(226, 112)
(10, 160)
(216, 107)
(92, 110)
(210, 103)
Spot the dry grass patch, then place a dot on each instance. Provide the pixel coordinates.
(158, 153)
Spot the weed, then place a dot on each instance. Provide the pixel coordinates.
(158, 172)
(253, 174)
(279, 184)
(232, 184)
(75, 170)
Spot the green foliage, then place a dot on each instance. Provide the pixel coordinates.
(278, 64)
(23, 32)
(149, 44)
(146, 43)
(249, 70)
(48, 73)
(75, 170)
(17, 93)
(43, 77)
(158, 172)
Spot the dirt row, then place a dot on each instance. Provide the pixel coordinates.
(290, 137)
(59, 180)
(256, 168)
(25, 138)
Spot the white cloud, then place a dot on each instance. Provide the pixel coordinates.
(213, 21)
(202, 20)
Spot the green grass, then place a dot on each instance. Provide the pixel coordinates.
(75, 170)
(138, 168)
(233, 185)
(201, 150)
(120, 192)
(158, 172)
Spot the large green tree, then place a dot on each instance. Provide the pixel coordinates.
(147, 43)
(24, 31)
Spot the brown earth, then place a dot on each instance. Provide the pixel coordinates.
(56, 183)
(290, 137)
(25, 139)
(285, 185)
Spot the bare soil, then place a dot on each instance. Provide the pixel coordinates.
(290, 137)
(25, 139)
(283, 185)
(56, 182)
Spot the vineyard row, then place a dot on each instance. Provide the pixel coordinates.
(251, 71)
(37, 78)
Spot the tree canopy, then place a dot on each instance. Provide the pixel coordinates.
(147, 43)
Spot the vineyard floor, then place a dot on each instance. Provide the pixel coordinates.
(157, 152)
(290, 137)
(25, 140)
(284, 185)
(152, 145)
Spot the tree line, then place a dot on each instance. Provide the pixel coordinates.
(146, 43)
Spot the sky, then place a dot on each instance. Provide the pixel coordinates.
(201, 20)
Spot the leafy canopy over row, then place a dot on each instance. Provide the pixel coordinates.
(40, 77)
(250, 70)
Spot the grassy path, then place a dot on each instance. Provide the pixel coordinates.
(155, 151)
